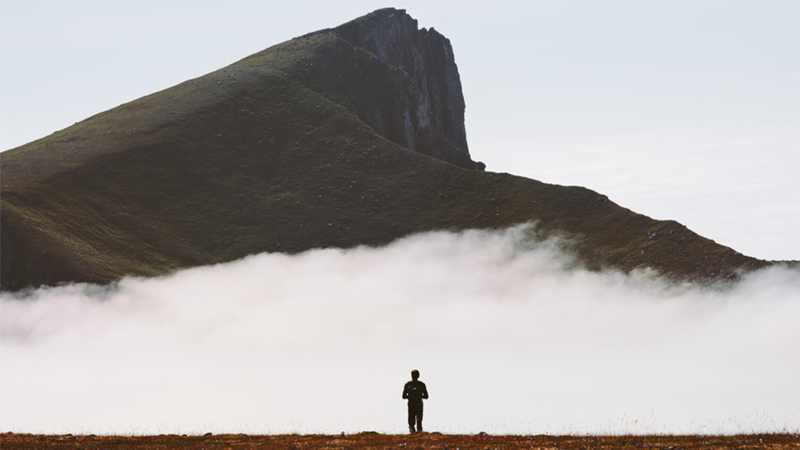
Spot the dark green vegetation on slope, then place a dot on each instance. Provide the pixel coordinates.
(293, 148)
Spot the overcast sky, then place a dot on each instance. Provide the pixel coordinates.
(684, 110)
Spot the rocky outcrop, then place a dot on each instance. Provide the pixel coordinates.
(432, 120)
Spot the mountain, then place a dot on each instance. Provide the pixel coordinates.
(346, 136)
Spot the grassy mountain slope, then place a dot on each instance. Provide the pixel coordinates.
(281, 152)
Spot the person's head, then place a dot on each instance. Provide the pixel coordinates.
(415, 374)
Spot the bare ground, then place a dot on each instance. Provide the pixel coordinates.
(402, 442)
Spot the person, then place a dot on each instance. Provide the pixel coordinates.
(415, 391)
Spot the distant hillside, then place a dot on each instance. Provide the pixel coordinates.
(346, 136)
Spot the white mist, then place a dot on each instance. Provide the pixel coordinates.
(506, 337)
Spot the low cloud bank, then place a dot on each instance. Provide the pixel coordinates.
(508, 338)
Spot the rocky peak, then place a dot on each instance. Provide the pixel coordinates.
(437, 108)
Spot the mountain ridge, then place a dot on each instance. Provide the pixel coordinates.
(314, 142)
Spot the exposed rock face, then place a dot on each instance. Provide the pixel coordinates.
(430, 120)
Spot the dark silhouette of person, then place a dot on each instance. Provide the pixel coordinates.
(415, 391)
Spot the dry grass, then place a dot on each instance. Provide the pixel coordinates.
(420, 441)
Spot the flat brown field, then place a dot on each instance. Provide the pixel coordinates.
(401, 442)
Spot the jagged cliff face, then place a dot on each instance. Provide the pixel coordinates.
(343, 137)
(430, 119)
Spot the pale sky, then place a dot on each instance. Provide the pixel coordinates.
(684, 110)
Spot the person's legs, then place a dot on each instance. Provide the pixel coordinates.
(414, 417)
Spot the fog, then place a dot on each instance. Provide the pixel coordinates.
(508, 335)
